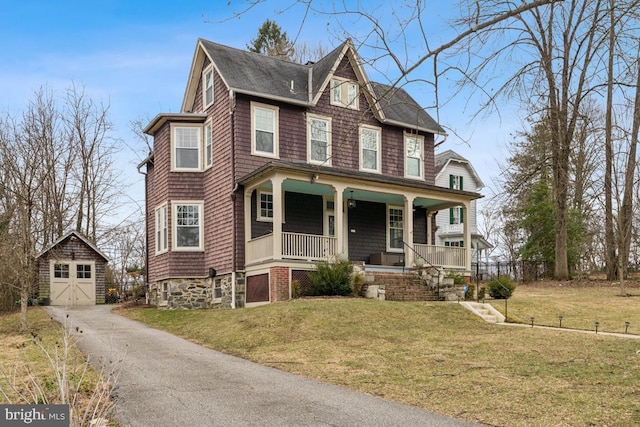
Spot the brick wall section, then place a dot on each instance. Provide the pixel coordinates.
(279, 286)
(404, 287)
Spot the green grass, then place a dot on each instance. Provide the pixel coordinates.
(436, 356)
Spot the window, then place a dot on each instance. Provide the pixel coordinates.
(456, 244)
(456, 216)
(83, 271)
(319, 140)
(217, 289)
(61, 271)
(396, 229)
(413, 156)
(186, 146)
(164, 296)
(455, 182)
(264, 130)
(208, 144)
(161, 230)
(369, 149)
(207, 87)
(344, 93)
(265, 206)
(187, 226)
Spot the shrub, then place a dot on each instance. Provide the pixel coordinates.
(357, 284)
(457, 278)
(331, 278)
(296, 289)
(501, 287)
(481, 292)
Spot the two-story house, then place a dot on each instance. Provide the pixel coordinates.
(455, 172)
(271, 166)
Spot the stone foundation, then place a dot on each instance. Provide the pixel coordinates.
(198, 293)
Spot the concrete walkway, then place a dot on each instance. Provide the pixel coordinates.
(164, 380)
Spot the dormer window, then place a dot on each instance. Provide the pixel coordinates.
(344, 93)
(207, 87)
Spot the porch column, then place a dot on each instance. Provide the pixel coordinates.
(338, 212)
(466, 227)
(247, 219)
(278, 206)
(430, 228)
(407, 232)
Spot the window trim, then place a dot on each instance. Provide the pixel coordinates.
(217, 284)
(401, 209)
(208, 143)
(162, 245)
(420, 140)
(276, 124)
(164, 293)
(344, 86)
(174, 225)
(84, 264)
(174, 167)
(205, 73)
(310, 119)
(378, 132)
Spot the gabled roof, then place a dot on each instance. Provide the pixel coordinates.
(442, 160)
(78, 236)
(272, 78)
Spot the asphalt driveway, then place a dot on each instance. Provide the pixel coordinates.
(164, 380)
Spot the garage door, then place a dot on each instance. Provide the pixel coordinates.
(73, 283)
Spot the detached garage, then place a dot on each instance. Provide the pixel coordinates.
(72, 272)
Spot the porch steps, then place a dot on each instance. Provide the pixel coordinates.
(402, 287)
(485, 311)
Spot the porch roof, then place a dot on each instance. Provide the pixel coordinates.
(357, 177)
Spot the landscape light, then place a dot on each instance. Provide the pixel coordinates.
(560, 317)
(597, 325)
(626, 326)
(532, 319)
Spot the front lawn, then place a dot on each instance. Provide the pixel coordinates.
(438, 356)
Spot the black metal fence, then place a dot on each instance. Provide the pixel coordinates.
(521, 271)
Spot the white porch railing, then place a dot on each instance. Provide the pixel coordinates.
(308, 246)
(442, 256)
(294, 246)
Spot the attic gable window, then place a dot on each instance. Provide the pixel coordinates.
(319, 139)
(344, 93)
(207, 87)
(264, 130)
(370, 148)
(413, 156)
(185, 144)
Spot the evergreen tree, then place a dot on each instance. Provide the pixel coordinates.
(272, 41)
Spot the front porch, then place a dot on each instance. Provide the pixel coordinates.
(309, 247)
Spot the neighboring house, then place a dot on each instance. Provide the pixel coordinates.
(71, 272)
(272, 166)
(455, 172)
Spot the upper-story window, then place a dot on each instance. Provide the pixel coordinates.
(413, 166)
(456, 182)
(370, 148)
(187, 228)
(264, 130)
(344, 93)
(319, 139)
(456, 216)
(161, 230)
(208, 144)
(185, 147)
(207, 87)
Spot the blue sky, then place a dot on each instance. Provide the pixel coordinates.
(135, 55)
